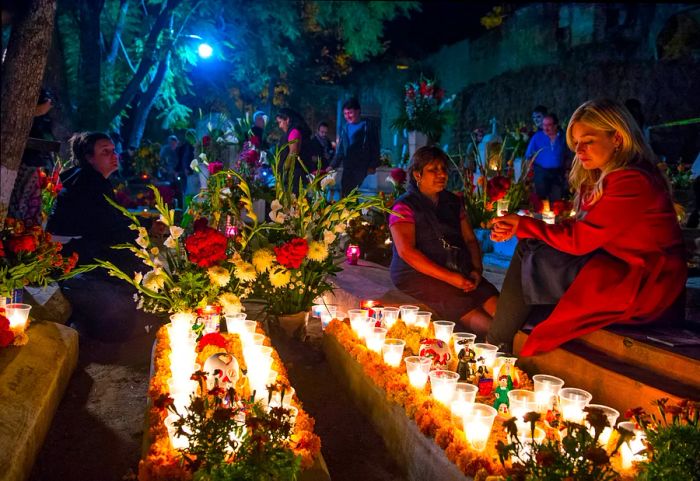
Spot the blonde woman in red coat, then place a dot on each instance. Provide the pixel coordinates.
(621, 261)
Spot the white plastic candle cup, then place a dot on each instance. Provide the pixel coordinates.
(255, 353)
(17, 314)
(286, 401)
(357, 314)
(359, 325)
(408, 314)
(182, 363)
(327, 314)
(477, 425)
(443, 330)
(629, 451)
(487, 351)
(375, 338)
(391, 315)
(462, 340)
(392, 351)
(234, 322)
(247, 330)
(458, 410)
(572, 401)
(417, 369)
(255, 338)
(316, 310)
(521, 402)
(179, 332)
(612, 415)
(549, 217)
(183, 320)
(272, 377)
(466, 392)
(341, 315)
(443, 384)
(423, 319)
(178, 442)
(502, 207)
(527, 440)
(546, 388)
(181, 386)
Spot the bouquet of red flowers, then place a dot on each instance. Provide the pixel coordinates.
(28, 256)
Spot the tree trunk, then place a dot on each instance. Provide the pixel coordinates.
(149, 58)
(55, 80)
(89, 64)
(22, 73)
(147, 101)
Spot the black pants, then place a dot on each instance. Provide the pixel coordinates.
(549, 183)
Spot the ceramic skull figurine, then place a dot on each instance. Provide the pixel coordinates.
(223, 367)
(437, 350)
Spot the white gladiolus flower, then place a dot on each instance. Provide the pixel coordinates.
(328, 181)
(203, 156)
(278, 217)
(194, 165)
(340, 228)
(170, 242)
(275, 205)
(176, 231)
(142, 241)
(154, 280)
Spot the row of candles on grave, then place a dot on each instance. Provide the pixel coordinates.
(183, 363)
(477, 419)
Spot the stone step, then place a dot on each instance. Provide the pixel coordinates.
(612, 381)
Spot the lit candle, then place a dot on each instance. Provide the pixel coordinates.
(572, 402)
(390, 316)
(629, 449)
(375, 338)
(17, 315)
(443, 385)
(392, 351)
(417, 369)
(546, 388)
(521, 402)
(462, 340)
(408, 314)
(549, 217)
(423, 319)
(477, 425)
(487, 351)
(612, 415)
(443, 330)
(352, 254)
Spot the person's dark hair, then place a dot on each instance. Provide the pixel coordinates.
(322, 124)
(351, 104)
(424, 156)
(540, 109)
(553, 117)
(82, 145)
(296, 121)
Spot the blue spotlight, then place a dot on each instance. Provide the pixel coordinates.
(205, 50)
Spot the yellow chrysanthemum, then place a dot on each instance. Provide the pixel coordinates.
(317, 251)
(279, 276)
(230, 303)
(219, 276)
(263, 259)
(245, 271)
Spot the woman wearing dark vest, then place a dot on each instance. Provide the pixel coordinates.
(436, 257)
(296, 133)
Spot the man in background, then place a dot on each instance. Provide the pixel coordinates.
(321, 146)
(551, 161)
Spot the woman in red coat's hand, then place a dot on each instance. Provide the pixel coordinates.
(621, 261)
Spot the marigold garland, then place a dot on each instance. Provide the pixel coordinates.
(432, 418)
(162, 462)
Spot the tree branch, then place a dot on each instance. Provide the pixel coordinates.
(116, 38)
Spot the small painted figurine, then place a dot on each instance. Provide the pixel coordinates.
(485, 382)
(471, 364)
(462, 365)
(504, 387)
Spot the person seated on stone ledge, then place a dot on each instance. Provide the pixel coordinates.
(621, 260)
(437, 258)
(103, 307)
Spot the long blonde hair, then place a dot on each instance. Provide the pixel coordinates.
(613, 118)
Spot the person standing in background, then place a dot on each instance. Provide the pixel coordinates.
(548, 146)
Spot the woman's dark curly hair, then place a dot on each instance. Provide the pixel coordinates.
(424, 156)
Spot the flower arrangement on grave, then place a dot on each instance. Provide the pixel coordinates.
(426, 109)
(50, 185)
(228, 435)
(291, 255)
(495, 180)
(28, 257)
(185, 270)
(672, 439)
(397, 178)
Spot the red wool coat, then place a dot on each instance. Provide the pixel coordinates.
(635, 223)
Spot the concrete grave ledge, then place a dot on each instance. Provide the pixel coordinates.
(33, 379)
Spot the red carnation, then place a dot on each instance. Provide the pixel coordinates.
(255, 140)
(399, 175)
(6, 335)
(292, 253)
(206, 140)
(206, 247)
(497, 187)
(212, 339)
(215, 167)
(22, 243)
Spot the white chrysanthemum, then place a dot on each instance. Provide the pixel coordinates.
(218, 275)
(328, 237)
(230, 303)
(154, 280)
(317, 251)
(263, 259)
(279, 276)
(245, 271)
